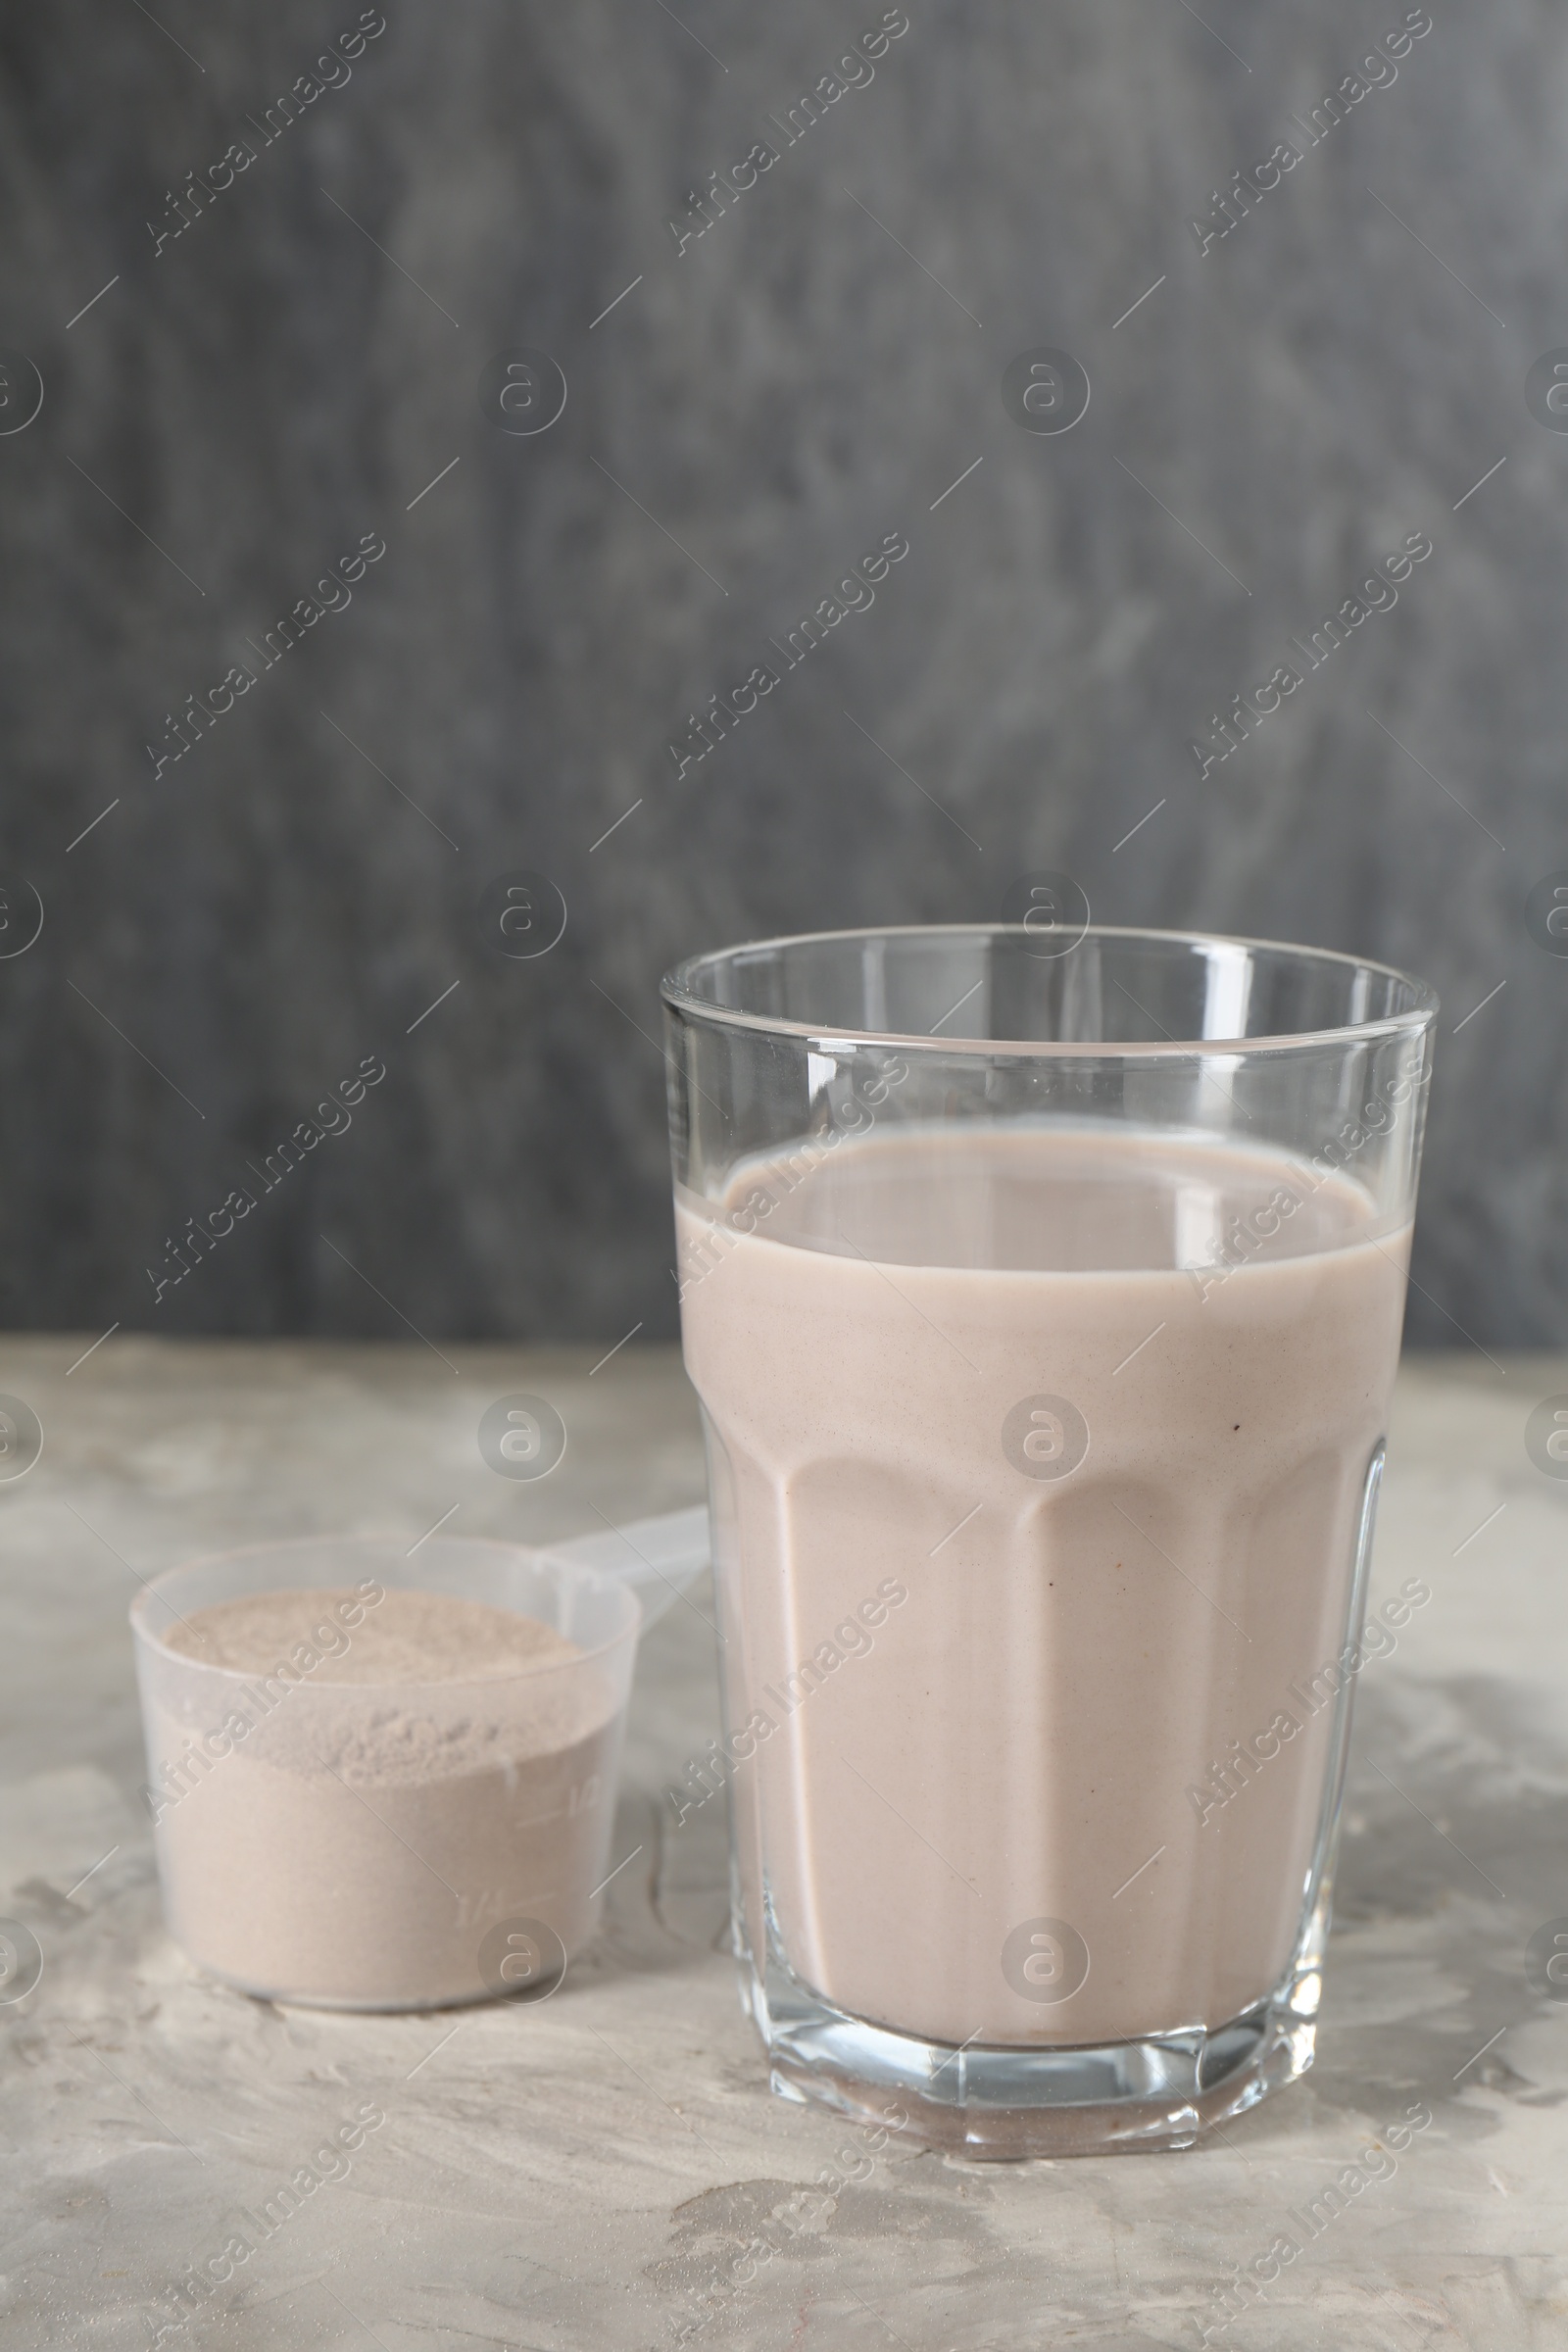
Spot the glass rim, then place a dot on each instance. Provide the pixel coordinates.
(678, 994)
(567, 1572)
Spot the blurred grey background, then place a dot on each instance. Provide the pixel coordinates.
(231, 408)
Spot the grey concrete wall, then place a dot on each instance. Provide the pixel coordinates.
(286, 375)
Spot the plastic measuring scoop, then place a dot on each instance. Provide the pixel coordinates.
(659, 1557)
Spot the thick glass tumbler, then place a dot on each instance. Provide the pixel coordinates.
(1042, 1291)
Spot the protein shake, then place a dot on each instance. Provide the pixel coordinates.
(1099, 1406)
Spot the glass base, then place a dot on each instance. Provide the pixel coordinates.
(1104, 2099)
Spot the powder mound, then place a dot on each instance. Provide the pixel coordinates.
(404, 1637)
(365, 1846)
(365, 1743)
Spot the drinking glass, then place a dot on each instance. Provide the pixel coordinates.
(1043, 1291)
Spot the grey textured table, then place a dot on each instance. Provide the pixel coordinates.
(592, 2172)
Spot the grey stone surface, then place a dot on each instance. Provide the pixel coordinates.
(589, 2172)
(293, 370)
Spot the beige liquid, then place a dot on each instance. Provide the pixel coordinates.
(1028, 1736)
